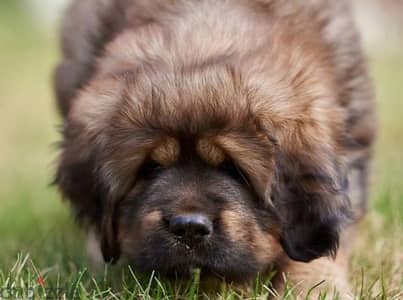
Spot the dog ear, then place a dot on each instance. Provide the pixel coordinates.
(109, 242)
(77, 180)
(310, 196)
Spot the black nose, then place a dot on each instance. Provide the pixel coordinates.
(190, 226)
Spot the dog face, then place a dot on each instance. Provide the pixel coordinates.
(192, 214)
(175, 182)
(178, 195)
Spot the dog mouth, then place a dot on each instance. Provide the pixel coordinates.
(180, 258)
(203, 272)
(193, 265)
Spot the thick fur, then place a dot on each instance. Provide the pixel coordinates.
(277, 88)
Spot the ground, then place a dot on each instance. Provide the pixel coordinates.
(41, 247)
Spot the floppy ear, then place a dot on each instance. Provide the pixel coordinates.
(109, 243)
(310, 195)
(77, 180)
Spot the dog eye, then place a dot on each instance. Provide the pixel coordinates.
(234, 171)
(149, 168)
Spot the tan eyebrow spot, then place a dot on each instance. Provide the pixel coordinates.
(167, 153)
(210, 152)
(151, 219)
(242, 230)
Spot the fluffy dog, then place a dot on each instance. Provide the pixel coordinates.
(230, 136)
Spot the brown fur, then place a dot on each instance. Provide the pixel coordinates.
(210, 152)
(278, 88)
(166, 153)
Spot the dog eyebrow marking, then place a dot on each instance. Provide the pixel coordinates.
(210, 152)
(166, 153)
(249, 234)
(151, 218)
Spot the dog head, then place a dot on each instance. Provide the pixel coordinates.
(217, 163)
(199, 176)
(173, 182)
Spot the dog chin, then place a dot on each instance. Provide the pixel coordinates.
(207, 271)
(183, 264)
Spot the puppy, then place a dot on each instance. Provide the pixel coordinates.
(231, 136)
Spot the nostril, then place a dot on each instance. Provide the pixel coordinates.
(179, 231)
(190, 226)
(166, 221)
(202, 230)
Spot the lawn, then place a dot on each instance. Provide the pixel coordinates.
(41, 249)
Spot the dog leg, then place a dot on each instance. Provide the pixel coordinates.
(94, 251)
(323, 276)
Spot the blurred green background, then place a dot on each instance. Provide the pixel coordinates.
(34, 220)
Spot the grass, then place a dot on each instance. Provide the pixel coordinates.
(38, 238)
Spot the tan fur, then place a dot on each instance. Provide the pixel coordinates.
(210, 152)
(151, 219)
(327, 275)
(264, 246)
(167, 153)
(93, 250)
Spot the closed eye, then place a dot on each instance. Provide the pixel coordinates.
(234, 171)
(149, 169)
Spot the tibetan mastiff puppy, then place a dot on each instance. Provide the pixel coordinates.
(227, 135)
